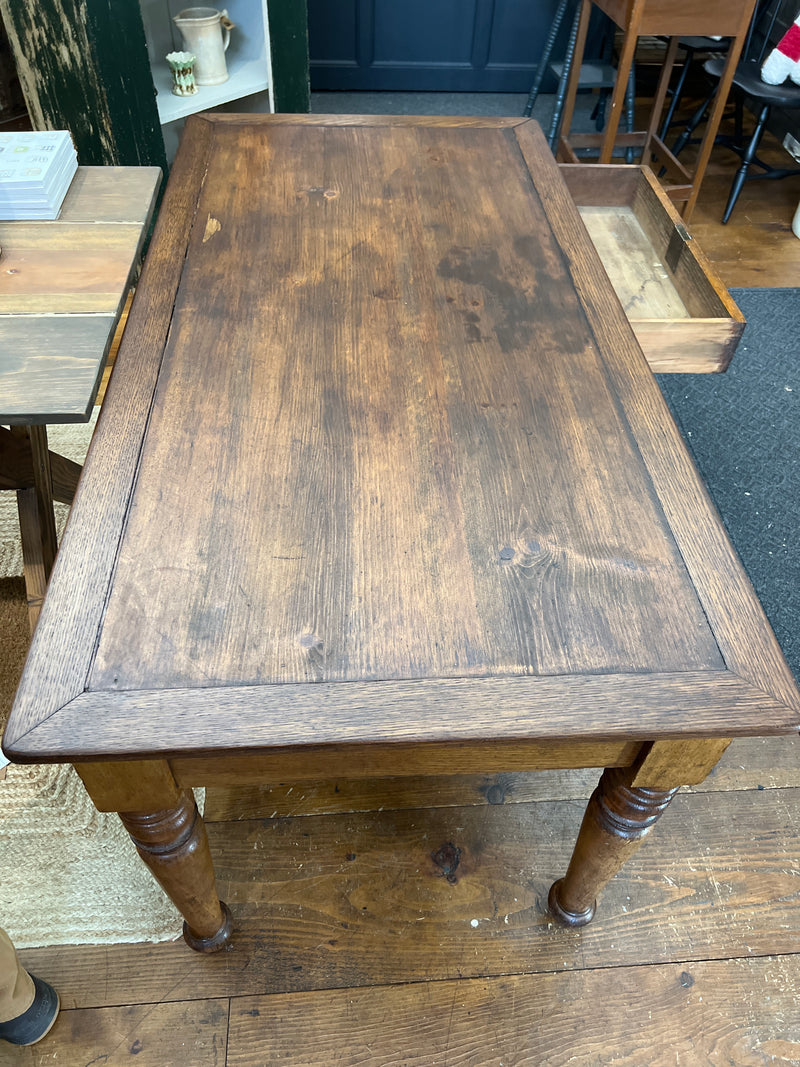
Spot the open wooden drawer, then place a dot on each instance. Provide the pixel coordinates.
(682, 315)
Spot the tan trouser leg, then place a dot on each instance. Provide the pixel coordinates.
(16, 987)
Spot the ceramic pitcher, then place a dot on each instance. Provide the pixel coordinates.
(206, 33)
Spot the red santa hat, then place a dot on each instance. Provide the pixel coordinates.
(784, 61)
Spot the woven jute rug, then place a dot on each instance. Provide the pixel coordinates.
(70, 875)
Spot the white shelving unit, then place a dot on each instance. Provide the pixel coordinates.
(248, 57)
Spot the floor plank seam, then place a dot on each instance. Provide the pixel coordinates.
(515, 974)
(228, 1031)
(152, 1003)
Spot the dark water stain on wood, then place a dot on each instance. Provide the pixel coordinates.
(447, 858)
(519, 302)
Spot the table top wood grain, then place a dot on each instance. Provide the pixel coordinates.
(63, 283)
(382, 461)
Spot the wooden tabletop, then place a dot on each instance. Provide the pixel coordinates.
(62, 287)
(381, 460)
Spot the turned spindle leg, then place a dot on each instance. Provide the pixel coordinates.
(174, 845)
(617, 819)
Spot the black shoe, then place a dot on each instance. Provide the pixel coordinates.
(37, 1021)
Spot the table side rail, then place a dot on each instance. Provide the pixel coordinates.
(736, 617)
(587, 708)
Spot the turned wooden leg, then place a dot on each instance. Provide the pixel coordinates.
(37, 521)
(617, 818)
(174, 845)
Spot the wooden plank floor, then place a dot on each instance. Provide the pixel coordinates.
(757, 246)
(354, 947)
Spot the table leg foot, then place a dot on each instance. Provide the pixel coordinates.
(216, 941)
(618, 817)
(559, 912)
(174, 845)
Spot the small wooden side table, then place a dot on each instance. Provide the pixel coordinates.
(664, 18)
(63, 284)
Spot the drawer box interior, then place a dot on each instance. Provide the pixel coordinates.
(682, 315)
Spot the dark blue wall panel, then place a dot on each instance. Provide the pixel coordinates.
(427, 45)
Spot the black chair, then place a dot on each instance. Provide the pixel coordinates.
(768, 25)
(692, 48)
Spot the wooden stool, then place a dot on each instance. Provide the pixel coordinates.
(665, 18)
(602, 77)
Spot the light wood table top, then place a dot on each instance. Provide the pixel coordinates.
(62, 286)
(381, 461)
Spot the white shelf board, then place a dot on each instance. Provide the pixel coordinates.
(250, 76)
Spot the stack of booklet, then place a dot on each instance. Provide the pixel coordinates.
(35, 172)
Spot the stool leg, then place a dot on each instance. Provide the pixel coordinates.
(37, 522)
(741, 174)
(563, 82)
(570, 75)
(660, 97)
(630, 116)
(618, 817)
(717, 108)
(599, 112)
(683, 138)
(677, 92)
(547, 52)
(738, 123)
(621, 84)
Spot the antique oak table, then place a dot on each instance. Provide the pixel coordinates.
(383, 485)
